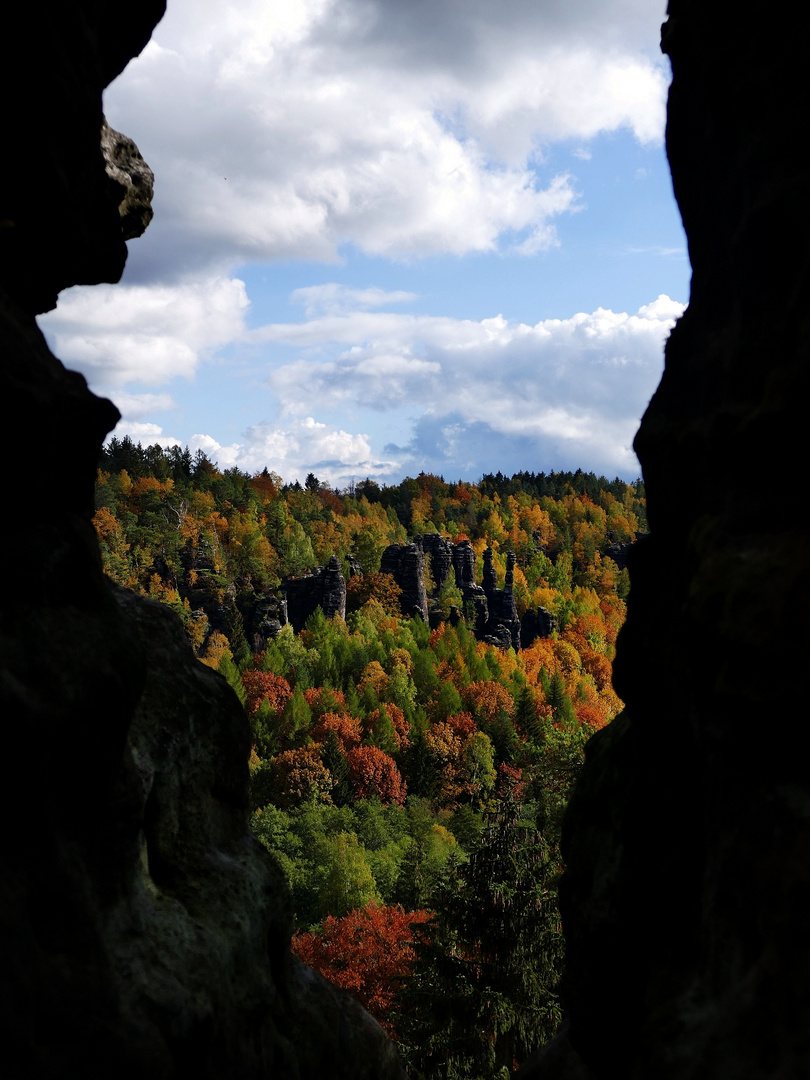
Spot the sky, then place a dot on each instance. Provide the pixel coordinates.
(392, 236)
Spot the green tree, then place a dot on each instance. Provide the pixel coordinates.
(482, 994)
(296, 720)
(382, 733)
(334, 758)
(450, 594)
(348, 882)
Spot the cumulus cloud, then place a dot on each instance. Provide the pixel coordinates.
(571, 389)
(115, 334)
(405, 129)
(145, 433)
(491, 367)
(316, 129)
(297, 448)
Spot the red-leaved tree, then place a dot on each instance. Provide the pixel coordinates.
(372, 771)
(265, 686)
(347, 729)
(367, 953)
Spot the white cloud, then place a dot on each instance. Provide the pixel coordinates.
(297, 448)
(510, 374)
(579, 385)
(145, 433)
(133, 406)
(115, 334)
(310, 129)
(450, 390)
(406, 129)
(334, 299)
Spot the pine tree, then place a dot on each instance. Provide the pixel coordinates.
(235, 633)
(526, 719)
(382, 734)
(334, 759)
(482, 995)
(419, 765)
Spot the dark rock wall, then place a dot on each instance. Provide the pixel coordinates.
(406, 565)
(503, 623)
(440, 550)
(59, 208)
(143, 932)
(464, 563)
(688, 842)
(496, 617)
(325, 588)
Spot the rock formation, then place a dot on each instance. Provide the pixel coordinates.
(406, 564)
(143, 931)
(503, 625)
(496, 615)
(325, 588)
(464, 564)
(489, 579)
(440, 550)
(536, 624)
(687, 886)
(127, 168)
(265, 618)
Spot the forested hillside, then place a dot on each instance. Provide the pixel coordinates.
(409, 776)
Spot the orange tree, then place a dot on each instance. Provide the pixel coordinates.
(367, 953)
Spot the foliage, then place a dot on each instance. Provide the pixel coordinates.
(376, 742)
(482, 993)
(367, 952)
(373, 772)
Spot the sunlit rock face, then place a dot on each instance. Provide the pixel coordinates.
(688, 883)
(143, 932)
(125, 165)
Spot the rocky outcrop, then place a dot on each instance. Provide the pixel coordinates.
(464, 564)
(688, 883)
(265, 617)
(503, 624)
(440, 551)
(496, 616)
(536, 624)
(126, 167)
(59, 208)
(489, 578)
(325, 589)
(406, 565)
(143, 931)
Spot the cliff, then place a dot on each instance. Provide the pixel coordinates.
(687, 886)
(325, 588)
(143, 931)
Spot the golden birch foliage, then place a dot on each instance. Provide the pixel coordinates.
(374, 677)
(215, 648)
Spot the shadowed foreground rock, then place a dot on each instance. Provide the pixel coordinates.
(688, 841)
(143, 931)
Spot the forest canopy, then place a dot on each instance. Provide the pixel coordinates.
(409, 777)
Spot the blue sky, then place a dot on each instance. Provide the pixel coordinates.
(392, 235)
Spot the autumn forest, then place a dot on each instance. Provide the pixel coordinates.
(408, 775)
